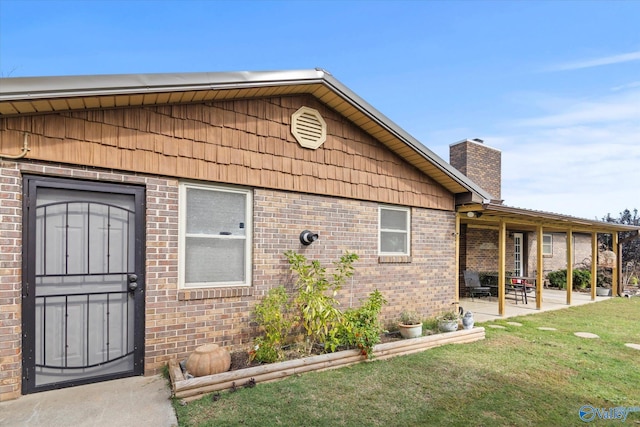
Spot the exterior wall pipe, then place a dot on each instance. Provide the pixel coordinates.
(23, 153)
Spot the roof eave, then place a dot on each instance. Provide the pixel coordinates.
(400, 133)
(32, 88)
(36, 88)
(569, 220)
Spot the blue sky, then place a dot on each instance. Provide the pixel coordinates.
(554, 85)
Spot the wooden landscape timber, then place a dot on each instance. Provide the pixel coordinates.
(194, 388)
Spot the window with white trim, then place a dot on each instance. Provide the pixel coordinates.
(215, 236)
(547, 244)
(394, 236)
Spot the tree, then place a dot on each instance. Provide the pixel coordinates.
(630, 248)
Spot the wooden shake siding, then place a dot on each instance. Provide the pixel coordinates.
(245, 142)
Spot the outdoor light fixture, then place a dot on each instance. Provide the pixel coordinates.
(307, 237)
(474, 214)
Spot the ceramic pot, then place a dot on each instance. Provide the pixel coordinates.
(467, 320)
(448, 325)
(410, 331)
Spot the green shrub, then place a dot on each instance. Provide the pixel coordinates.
(430, 324)
(361, 327)
(319, 312)
(313, 307)
(581, 278)
(604, 278)
(276, 319)
(558, 278)
(265, 351)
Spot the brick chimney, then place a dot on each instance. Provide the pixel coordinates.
(480, 163)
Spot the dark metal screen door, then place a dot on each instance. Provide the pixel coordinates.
(83, 283)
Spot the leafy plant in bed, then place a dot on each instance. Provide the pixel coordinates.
(313, 310)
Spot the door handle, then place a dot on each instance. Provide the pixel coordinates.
(133, 282)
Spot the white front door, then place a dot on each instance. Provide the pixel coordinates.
(518, 254)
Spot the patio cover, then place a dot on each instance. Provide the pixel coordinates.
(502, 217)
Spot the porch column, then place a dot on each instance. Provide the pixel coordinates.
(569, 264)
(457, 268)
(594, 264)
(540, 267)
(502, 259)
(615, 274)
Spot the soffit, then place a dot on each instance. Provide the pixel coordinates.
(20, 96)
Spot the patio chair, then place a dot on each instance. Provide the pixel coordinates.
(473, 285)
(519, 289)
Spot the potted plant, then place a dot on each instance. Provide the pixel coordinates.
(603, 287)
(448, 322)
(410, 325)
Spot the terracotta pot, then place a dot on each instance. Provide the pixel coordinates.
(208, 360)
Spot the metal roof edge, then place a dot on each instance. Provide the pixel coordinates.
(31, 88)
(558, 217)
(20, 88)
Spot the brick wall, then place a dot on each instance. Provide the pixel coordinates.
(185, 319)
(481, 248)
(480, 163)
(179, 320)
(10, 280)
(558, 261)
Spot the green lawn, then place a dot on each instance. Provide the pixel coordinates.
(518, 376)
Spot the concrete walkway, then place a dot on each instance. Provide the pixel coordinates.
(135, 401)
(485, 309)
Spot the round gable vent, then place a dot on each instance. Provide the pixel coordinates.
(308, 127)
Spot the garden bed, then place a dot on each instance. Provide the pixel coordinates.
(193, 388)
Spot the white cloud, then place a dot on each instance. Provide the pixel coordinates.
(596, 62)
(626, 86)
(617, 108)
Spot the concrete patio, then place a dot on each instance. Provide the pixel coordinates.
(486, 308)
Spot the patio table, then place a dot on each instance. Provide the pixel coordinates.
(524, 283)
